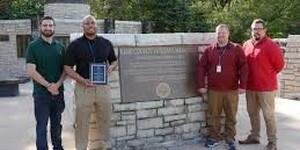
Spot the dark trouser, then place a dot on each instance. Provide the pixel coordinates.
(217, 102)
(48, 106)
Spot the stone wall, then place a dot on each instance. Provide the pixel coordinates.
(10, 64)
(15, 66)
(67, 10)
(68, 18)
(153, 124)
(64, 27)
(290, 77)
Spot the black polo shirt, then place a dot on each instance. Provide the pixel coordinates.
(83, 51)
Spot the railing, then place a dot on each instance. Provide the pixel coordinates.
(22, 42)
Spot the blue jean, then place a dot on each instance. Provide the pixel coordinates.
(48, 106)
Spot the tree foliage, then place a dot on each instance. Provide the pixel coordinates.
(282, 16)
(20, 9)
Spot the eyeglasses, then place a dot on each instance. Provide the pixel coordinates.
(90, 23)
(257, 29)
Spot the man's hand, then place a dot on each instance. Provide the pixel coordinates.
(110, 69)
(88, 83)
(202, 90)
(53, 88)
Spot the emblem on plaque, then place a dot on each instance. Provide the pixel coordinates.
(163, 90)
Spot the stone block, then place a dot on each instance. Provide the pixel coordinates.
(192, 135)
(125, 138)
(173, 137)
(145, 133)
(124, 107)
(150, 123)
(174, 117)
(164, 131)
(129, 117)
(118, 132)
(176, 123)
(157, 39)
(135, 143)
(146, 113)
(131, 129)
(176, 102)
(197, 107)
(196, 116)
(121, 39)
(190, 127)
(115, 116)
(198, 38)
(149, 104)
(67, 10)
(166, 124)
(128, 27)
(115, 93)
(170, 110)
(125, 122)
(194, 100)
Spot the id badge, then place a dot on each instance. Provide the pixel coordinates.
(219, 68)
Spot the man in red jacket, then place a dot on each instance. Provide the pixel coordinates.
(265, 61)
(225, 66)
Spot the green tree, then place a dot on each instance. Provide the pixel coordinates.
(282, 16)
(165, 16)
(20, 9)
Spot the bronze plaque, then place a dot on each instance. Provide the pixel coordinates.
(153, 73)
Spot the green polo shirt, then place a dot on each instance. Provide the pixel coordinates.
(49, 61)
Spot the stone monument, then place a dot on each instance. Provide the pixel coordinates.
(67, 9)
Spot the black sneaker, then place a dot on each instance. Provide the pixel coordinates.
(210, 143)
(231, 146)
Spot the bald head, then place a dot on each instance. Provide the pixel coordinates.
(89, 26)
(222, 32)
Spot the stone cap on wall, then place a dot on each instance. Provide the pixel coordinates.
(293, 41)
(156, 39)
(65, 27)
(20, 27)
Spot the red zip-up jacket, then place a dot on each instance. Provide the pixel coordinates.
(265, 60)
(234, 66)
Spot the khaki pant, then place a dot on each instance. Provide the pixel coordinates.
(217, 102)
(266, 102)
(85, 99)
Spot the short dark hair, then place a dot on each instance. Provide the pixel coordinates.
(259, 21)
(46, 18)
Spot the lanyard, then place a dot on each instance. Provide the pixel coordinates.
(91, 51)
(220, 55)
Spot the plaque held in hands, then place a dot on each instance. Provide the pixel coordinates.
(98, 73)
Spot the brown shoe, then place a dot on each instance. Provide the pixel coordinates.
(271, 146)
(249, 140)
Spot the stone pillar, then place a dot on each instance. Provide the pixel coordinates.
(67, 9)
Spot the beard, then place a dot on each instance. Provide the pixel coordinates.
(47, 33)
(256, 37)
(90, 33)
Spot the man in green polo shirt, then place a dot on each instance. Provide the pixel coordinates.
(45, 66)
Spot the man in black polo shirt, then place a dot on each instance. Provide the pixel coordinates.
(82, 53)
(45, 65)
